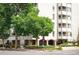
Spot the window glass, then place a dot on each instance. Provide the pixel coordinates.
(53, 16)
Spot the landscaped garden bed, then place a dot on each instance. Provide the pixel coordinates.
(44, 47)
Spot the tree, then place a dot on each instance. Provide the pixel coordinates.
(20, 18)
(33, 25)
(46, 26)
(38, 26)
(5, 22)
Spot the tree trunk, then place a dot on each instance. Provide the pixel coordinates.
(43, 40)
(37, 44)
(3, 43)
(16, 39)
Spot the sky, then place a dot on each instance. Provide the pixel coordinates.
(45, 10)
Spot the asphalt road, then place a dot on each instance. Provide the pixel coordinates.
(36, 52)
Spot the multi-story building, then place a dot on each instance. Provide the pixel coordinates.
(61, 17)
(62, 13)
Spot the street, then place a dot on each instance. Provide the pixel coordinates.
(37, 52)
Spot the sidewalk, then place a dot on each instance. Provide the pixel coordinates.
(70, 48)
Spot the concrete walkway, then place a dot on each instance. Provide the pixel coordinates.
(70, 48)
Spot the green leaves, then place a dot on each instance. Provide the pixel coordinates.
(25, 20)
(33, 25)
(5, 21)
(46, 26)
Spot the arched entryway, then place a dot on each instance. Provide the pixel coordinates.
(42, 42)
(51, 42)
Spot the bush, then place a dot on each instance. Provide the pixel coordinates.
(43, 47)
(33, 47)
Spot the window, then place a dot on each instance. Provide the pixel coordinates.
(59, 8)
(53, 16)
(63, 25)
(69, 17)
(64, 33)
(60, 33)
(53, 25)
(68, 9)
(60, 17)
(59, 25)
(70, 34)
(63, 16)
(53, 33)
(69, 25)
(53, 8)
(62, 8)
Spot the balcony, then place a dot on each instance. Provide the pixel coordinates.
(62, 12)
(61, 4)
(69, 5)
(62, 29)
(63, 37)
(62, 8)
(65, 29)
(64, 25)
(62, 21)
(62, 16)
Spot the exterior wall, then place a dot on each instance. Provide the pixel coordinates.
(56, 12)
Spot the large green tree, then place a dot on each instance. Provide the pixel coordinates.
(38, 26)
(46, 27)
(5, 21)
(20, 18)
(33, 25)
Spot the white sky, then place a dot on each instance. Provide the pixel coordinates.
(75, 19)
(45, 10)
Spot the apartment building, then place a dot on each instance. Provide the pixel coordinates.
(62, 18)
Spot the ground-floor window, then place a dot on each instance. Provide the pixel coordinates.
(13, 43)
(26, 42)
(32, 42)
